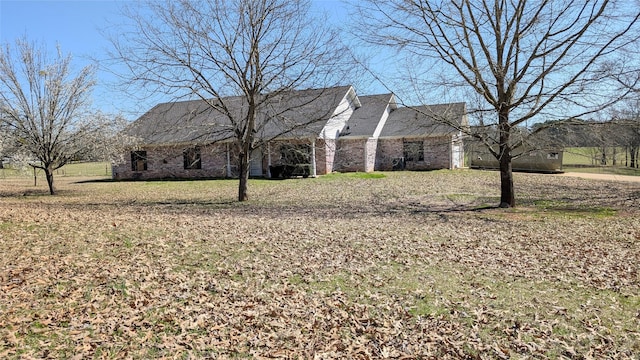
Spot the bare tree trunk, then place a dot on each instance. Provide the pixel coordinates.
(507, 193)
(49, 174)
(244, 175)
(626, 156)
(246, 147)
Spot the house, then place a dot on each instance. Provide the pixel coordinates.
(306, 132)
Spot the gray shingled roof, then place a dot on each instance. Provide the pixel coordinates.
(426, 120)
(365, 119)
(301, 113)
(182, 122)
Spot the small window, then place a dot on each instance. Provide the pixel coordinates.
(192, 158)
(413, 150)
(138, 160)
(552, 156)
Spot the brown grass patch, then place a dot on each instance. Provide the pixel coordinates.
(413, 265)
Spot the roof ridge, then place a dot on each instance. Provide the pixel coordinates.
(242, 96)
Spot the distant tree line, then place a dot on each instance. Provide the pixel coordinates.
(607, 138)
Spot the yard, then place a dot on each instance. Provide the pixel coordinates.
(390, 265)
(589, 160)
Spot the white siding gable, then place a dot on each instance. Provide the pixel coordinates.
(339, 119)
(383, 120)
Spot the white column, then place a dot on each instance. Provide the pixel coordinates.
(366, 156)
(269, 160)
(313, 157)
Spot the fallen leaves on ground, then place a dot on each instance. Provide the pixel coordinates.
(413, 265)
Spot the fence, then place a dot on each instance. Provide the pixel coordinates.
(97, 169)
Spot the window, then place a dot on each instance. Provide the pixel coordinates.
(192, 158)
(138, 160)
(552, 156)
(413, 150)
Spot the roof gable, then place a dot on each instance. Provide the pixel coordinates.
(425, 120)
(303, 113)
(365, 119)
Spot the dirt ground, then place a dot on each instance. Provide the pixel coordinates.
(611, 177)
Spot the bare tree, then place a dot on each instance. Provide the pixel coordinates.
(626, 122)
(45, 107)
(626, 115)
(528, 60)
(217, 50)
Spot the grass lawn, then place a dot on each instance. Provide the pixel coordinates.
(401, 264)
(585, 156)
(102, 169)
(587, 160)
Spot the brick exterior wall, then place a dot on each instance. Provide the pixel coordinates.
(388, 150)
(356, 155)
(437, 154)
(345, 155)
(350, 155)
(168, 162)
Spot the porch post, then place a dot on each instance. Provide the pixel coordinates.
(451, 160)
(366, 155)
(313, 157)
(269, 160)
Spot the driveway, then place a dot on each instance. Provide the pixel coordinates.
(595, 176)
